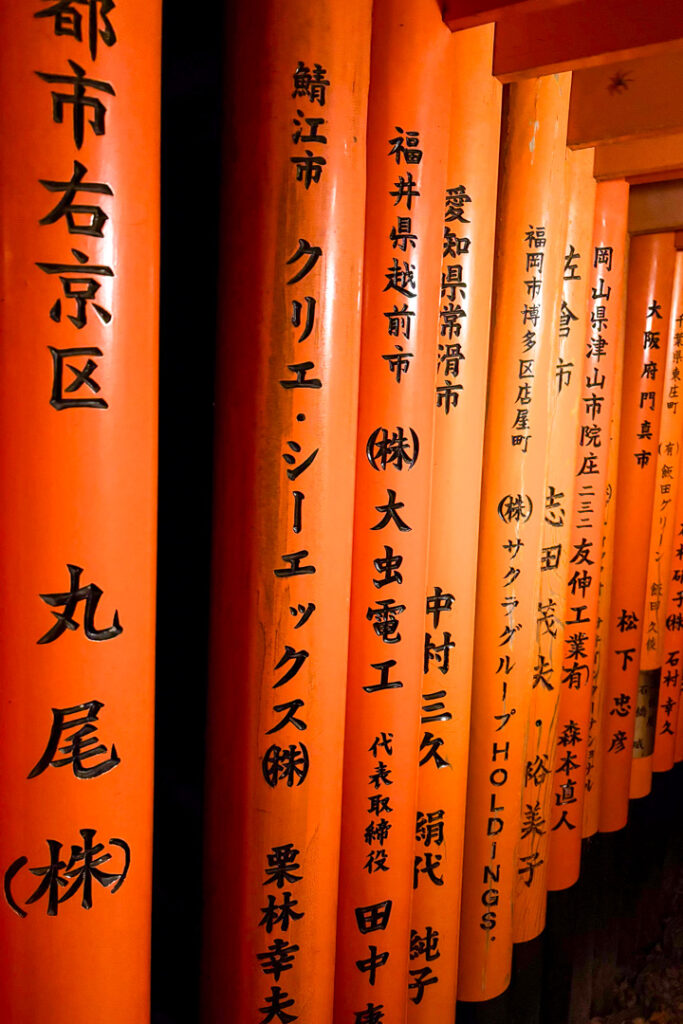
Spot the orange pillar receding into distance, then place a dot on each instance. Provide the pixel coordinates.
(591, 797)
(652, 666)
(530, 248)
(650, 279)
(408, 118)
(460, 400)
(559, 561)
(286, 399)
(79, 230)
(598, 360)
(671, 595)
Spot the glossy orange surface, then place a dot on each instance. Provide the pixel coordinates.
(529, 246)
(599, 357)
(409, 93)
(79, 236)
(546, 729)
(650, 279)
(285, 455)
(456, 487)
(670, 623)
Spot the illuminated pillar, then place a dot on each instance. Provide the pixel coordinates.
(650, 279)
(287, 379)
(529, 249)
(600, 357)
(79, 216)
(592, 786)
(466, 276)
(408, 117)
(671, 594)
(561, 564)
(651, 693)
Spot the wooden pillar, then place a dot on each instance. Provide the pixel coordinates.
(650, 278)
(600, 355)
(466, 277)
(556, 566)
(668, 706)
(529, 246)
(408, 119)
(592, 787)
(286, 399)
(79, 216)
(652, 667)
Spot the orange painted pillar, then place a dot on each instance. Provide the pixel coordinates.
(652, 666)
(286, 404)
(650, 278)
(592, 787)
(79, 226)
(671, 594)
(408, 118)
(466, 277)
(555, 565)
(600, 354)
(529, 249)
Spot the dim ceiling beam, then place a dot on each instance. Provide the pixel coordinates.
(657, 207)
(631, 98)
(585, 34)
(460, 14)
(641, 160)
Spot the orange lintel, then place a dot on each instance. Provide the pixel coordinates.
(584, 34)
(638, 159)
(467, 13)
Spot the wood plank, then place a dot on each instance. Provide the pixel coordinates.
(618, 101)
(585, 34)
(641, 159)
(459, 14)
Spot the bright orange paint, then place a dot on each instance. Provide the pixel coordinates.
(458, 446)
(79, 488)
(598, 359)
(409, 92)
(592, 788)
(672, 574)
(284, 473)
(554, 565)
(662, 536)
(678, 752)
(650, 277)
(514, 504)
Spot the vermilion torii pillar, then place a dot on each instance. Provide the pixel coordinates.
(560, 561)
(408, 119)
(599, 359)
(650, 280)
(530, 248)
(286, 399)
(652, 697)
(460, 403)
(79, 227)
(668, 708)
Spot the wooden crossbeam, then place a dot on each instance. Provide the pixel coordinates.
(641, 160)
(585, 34)
(460, 14)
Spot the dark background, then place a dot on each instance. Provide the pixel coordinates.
(192, 48)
